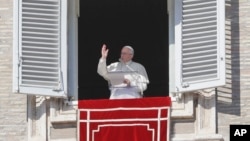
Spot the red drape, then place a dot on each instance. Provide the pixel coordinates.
(145, 119)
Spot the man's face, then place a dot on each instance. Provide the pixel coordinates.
(126, 55)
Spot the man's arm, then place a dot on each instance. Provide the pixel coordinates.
(140, 82)
(139, 78)
(102, 66)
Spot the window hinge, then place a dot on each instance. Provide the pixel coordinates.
(60, 84)
(20, 60)
(185, 85)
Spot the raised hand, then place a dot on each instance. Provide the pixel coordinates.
(104, 51)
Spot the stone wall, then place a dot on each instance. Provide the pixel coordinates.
(233, 101)
(13, 117)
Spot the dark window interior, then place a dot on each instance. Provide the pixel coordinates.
(143, 24)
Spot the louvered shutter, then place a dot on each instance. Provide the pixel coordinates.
(199, 44)
(42, 47)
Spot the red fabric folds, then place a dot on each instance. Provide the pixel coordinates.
(145, 119)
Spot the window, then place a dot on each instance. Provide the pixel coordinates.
(142, 24)
(40, 47)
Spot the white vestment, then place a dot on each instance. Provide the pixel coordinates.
(138, 79)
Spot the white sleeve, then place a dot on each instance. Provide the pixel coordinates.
(140, 82)
(102, 68)
(139, 79)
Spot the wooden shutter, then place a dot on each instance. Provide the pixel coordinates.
(199, 44)
(42, 44)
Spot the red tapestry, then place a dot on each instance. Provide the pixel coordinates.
(145, 119)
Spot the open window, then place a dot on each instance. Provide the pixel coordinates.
(142, 24)
(45, 48)
(40, 47)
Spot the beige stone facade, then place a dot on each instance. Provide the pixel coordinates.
(205, 115)
(233, 99)
(13, 108)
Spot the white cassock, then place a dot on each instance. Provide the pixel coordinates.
(138, 80)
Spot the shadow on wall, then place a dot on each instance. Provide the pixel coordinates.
(228, 97)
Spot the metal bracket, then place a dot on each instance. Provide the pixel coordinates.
(185, 85)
